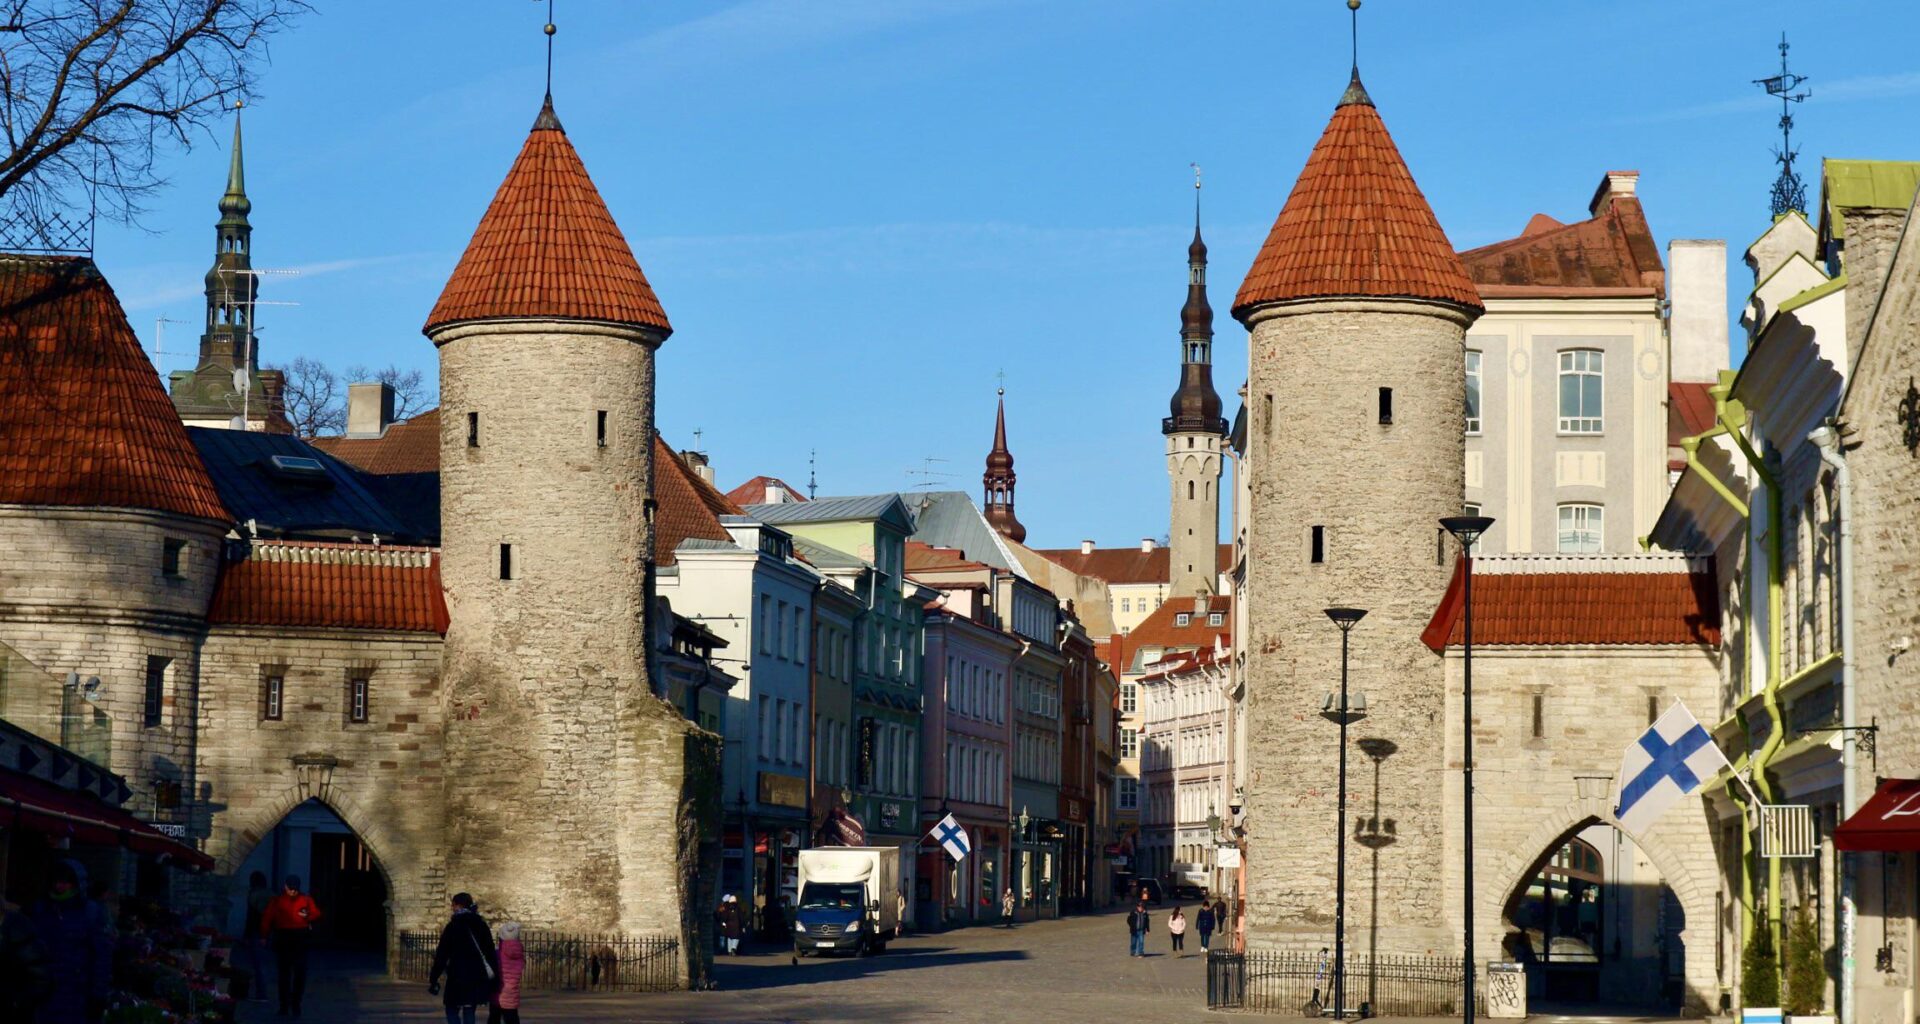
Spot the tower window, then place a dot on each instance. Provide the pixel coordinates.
(1539, 715)
(506, 561)
(153, 708)
(1266, 415)
(171, 550)
(359, 687)
(1317, 548)
(473, 430)
(1189, 442)
(273, 692)
(1189, 490)
(1386, 406)
(600, 428)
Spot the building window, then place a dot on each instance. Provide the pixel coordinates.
(1215, 618)
(506, 561)
(1386, 407)
(358, 687)
(765, 625)
(1539, 715)
(1126, 605)
(1580, 529)
(170, 556)
(1182, 619)
(273, 695)
(1129, 697)
(1473, 392)
(600, 428)
(1129, 794)
(473, 430)
(1317, 546)
(156, 699)
(1580, 391)
(1129, 743)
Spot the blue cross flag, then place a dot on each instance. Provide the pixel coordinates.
(1671, 761)
(952, 838)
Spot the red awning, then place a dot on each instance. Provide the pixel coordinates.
(30, 803)
(1888, 823)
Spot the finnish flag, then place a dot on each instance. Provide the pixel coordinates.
(952, 838)
(1671, 761)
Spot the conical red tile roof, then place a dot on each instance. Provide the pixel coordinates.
(548, 249)
(83, 419)
(1356, 225)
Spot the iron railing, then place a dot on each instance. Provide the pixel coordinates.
(1301, 984)
(576, 963)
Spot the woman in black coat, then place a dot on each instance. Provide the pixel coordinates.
(467, 958)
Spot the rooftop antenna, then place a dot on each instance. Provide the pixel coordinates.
(929, 476)
(160, 341)
(243, 374)
(813, 482)
(1789, 192)
(696, 440)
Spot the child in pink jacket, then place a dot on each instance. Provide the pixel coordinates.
(513, 963)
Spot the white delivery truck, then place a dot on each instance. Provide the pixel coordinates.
(849, 900)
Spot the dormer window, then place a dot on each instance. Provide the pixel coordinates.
(1214, 618)
(1183, 619)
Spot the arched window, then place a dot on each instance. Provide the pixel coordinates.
(1189, 489)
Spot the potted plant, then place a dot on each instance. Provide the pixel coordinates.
(1806, 994)
(1759, 981)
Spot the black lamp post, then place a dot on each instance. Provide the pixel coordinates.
(1346, 619)
(1468, 529)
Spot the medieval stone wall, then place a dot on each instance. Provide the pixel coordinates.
(1193, 537)
(1319, 457)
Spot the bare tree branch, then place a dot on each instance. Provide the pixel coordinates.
(91, 90)
(315, 404)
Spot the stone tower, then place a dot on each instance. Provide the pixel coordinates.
(1196, 434)
(209, 395)
(1357, 308)
(997, 481)
(567, 780)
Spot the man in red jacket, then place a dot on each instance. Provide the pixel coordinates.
(288, 924)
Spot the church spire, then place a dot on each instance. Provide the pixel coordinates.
(1196, 406)
(231, 287)
(235, 203)
(999, 479)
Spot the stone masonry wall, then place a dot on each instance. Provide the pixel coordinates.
(1320, 456)
(383, 777)
(1532, 793)
(1193, 536)
(1872, 235)
(1885, 478)
(566, 776)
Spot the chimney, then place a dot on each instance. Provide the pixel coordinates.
(369, 409)
(1200, 604)
(1614, 185)
(1146, 545)
(1697, 316)
(697, 461)
(1086, 547)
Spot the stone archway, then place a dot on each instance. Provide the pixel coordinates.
(1689, 886)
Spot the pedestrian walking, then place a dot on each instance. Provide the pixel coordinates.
(467, 959)
(1138, 922)
(900, 914)
(288, 924)
(73, 929)
(1221, 922)
(513, 965)
(1177, 927)
(254, 937)
(26, 977)
(1203, 923)
(732, 923)
(1006, 907)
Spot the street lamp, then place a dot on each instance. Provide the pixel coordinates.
(1346, 619)
(1468, 529)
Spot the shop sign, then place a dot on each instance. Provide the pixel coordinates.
(778, 790)
(1076, 809)
(1227, 857)
(169, 829)
(1120, 862)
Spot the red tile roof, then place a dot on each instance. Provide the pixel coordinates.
(1610, 254)
(1608, 608)
(1124, 565)
(83, 418)
(754, 491)
(1355, 225)
(1689, 410)
(410, 446)
(335, 586)
(686, 505)
(929, 558)
(548, 249)
(1181, 663)
(1162, 629)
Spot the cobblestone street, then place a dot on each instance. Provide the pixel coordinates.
(1078, 964)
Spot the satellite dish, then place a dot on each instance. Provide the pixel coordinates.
(240, 379)
(237, 423)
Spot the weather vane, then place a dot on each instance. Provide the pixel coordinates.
(1002, 378)
(1789, 192)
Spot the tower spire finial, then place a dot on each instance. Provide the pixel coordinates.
(1789, 192)
(1196, 199)
(1354, 7)
(1356, 93)
(550, 30)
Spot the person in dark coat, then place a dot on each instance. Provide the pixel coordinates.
(73, 930)
(1203, 923)
(25, 977)
(1138, 924)
(733, 923)
(467, 959)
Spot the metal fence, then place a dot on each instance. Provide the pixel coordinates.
(1301, 984)
(576, 963)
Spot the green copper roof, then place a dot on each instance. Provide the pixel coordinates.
(1863, 184)
(1818, 291)
(235, 202)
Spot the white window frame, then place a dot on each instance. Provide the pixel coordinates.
(1576, 520)
(1476, 394)
(1581, 364)
(1129, 742)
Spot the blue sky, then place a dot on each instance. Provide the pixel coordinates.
(856, 212)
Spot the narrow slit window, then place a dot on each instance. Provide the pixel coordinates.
(273, 694)
(1317, 549)
(1539, 715)
(1266, 415)
(1653, 708)
(1386, 406)
(358, 693)
(473, 430)
(600, 428)
(506, 561)
(153, 710)
(170, 553)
